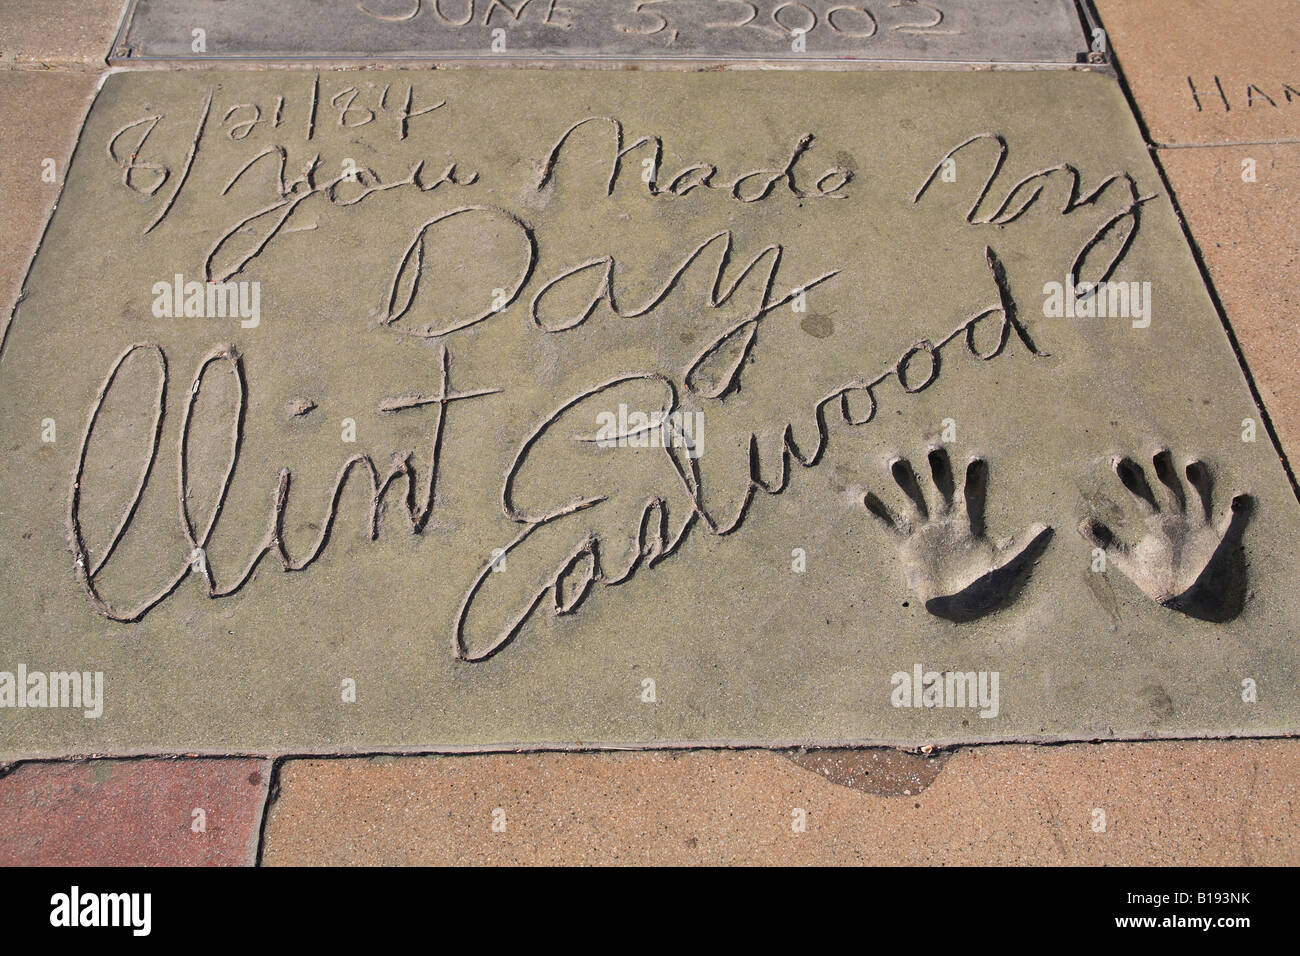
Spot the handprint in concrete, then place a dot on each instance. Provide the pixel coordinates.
(1186, 560)
(952, 565)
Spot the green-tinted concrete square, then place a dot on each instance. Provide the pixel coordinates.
(389, 410)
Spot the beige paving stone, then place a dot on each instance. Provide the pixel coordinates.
(1229, 803)
(40, 114)
(64, 34)
(1241, 56)
(1247, 234)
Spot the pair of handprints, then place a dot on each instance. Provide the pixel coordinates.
(1186, 559)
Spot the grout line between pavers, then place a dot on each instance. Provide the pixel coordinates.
(280, 757)
(1244, 142)
(272, 796)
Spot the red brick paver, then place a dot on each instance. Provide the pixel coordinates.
(133, 813)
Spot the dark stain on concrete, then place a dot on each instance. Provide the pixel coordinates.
(1157, 698)
(816, 325)
(885, 773)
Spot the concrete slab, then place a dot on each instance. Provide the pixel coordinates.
(979, 31)
(133, 813)
(1242, 205)
(460, 290)
(62, 34)
(37, 146)
(1199, 803)
(1219, 71)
